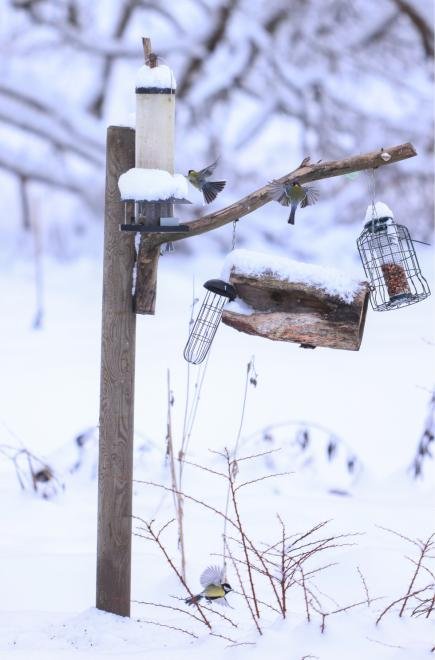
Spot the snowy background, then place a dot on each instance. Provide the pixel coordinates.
(262, 85)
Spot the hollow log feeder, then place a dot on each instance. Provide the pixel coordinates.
(154, 148)
(298, 312)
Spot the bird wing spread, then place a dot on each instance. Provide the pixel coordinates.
(311, 196)
(212, 575)
(278, 193)
(221, 601)
(208, 171)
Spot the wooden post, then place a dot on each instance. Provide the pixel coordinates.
(115, 469)
(155, 128)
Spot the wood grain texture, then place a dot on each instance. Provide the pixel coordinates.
(297, 312)
(303, 174)
(115, 470)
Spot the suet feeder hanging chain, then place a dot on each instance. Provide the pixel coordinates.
(233, 245)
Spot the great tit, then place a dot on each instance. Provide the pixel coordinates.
(292, 194)
(215, 587)
(199, 180)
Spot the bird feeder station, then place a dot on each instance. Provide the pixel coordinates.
(258, 294)
(219, 293)
(390, 261)
(286, 300)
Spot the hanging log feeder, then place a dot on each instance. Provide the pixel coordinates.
(291, 301)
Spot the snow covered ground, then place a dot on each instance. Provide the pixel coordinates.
(373, 401)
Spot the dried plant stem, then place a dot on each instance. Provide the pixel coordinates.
(245, 596)
(399, 600)
(164, 625)
(242, 533)
(249, 368)
(423, 550)
(177, 496)
(283, 569)
(156, 537)
(364, 585)
(168, 607)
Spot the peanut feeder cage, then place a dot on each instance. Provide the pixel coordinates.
(391, 265)
(208, 319)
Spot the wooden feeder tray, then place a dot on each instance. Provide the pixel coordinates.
(298, 312)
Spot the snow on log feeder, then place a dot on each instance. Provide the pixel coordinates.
(287, 300)
(389, 260)
(219, 293)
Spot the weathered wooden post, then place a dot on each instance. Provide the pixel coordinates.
(118, 338)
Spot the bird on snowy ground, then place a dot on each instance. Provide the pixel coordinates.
(200, 180)
(215, 587)
(293, 194)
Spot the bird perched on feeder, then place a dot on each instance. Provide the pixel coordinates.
(293, 194)
(210, 189)
(215, 587)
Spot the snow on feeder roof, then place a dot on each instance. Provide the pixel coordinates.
(256, 264)
(381, 210)
(158, 77)
(151, 185)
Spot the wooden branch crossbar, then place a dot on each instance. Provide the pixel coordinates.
(303, 174)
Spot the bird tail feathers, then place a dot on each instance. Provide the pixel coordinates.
(291, 219)
(211, 189)
(193, 599)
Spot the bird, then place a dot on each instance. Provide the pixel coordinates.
(293, 194)
(215, 587)
(210, 189)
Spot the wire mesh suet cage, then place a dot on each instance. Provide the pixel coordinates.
(391, 265)
(209, 316)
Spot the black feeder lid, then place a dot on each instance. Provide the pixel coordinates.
(222, 288)
(377, 224)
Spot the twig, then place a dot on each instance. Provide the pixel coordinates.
(365, 585)
(178, 498)
(427, 544)
(172, 565)
(247, 600)
(399, 600)
(266, 476)
(164, 625)
(168, 607)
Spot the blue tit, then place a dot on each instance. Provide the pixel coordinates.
(215, 587)
(293, 194)
(199, 180)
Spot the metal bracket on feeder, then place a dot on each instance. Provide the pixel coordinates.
(166, 225)
(207, 322)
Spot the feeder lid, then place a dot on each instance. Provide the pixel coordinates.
(377, 224)
(221, 287)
